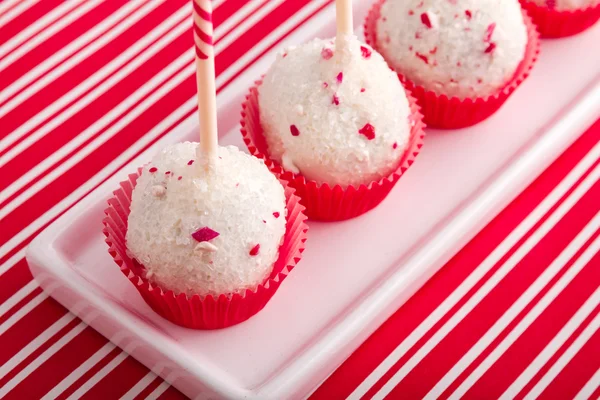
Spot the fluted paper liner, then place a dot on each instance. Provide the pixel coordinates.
(203, 312)
(443, 112)
(556, 24)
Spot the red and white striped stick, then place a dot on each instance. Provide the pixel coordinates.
(205, 79)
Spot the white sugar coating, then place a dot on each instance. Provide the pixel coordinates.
(462, 48)
(566, 4)
(300, 92)
(233, 199)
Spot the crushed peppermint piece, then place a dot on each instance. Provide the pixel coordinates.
(205, 246)
(418, 35)
(190, 162)
(153, 170)
(340, 77)
(276, 214)
(284, 55)
(366, 53)
(294, 130)
(325, 85)
(264, 222)
(489, 32)
(468, 14)
(179, 178)
(368, 131)
(326, 53)
(422, 57)
(551, 3)
(335, 100)
(411, 12)
(433, 51)
(425, 20)
(204, 234)
(168, 173)
(490, 48)
(395, 146)
(362, 90)
(254, 250)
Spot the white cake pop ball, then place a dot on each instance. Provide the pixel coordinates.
(341, 119)
(561, 5)
(462, 48)
(206, 233)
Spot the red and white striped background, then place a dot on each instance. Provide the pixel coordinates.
(86, 85)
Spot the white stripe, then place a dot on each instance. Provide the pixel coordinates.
(15, 11)
(65, 52)
(189, 106)
(15, 258)
(535, 312)
(590, 387)
(17, 297)
(517, 307)
(158, 391)
(10, 385)
(16, 317)
(114, 114)
(79, 371)
(52, 75)
(36, 343)
(98, 376)
(491, 260)
(138, 387)
(53, 18)
(6, 4)
(561, 337)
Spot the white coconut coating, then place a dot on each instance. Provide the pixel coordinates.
(566, 4)
(337, 117)
(238, 198)
(462, 48)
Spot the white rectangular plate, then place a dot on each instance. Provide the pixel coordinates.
(354, 274)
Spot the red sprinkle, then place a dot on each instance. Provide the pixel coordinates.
(276, 214)
(366, 53)
(489, 32)
(340, 77)
(425, 20)
(294, 130)
(326, 53)
(254, 250)
(190, 162)
(395, 146)
(180, 178)
(362, 90)
(168, 173)
(368, 131)
(490, 48)
(153, 170)
(422, 57)
(204, 234)
(468, 14)
(336, 100)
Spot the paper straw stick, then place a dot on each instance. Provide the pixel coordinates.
(343, 16)
(205, 79)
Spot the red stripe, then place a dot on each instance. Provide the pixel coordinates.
(172, 394)
(36, 292)
(14, 279)
(368, 356)
(26, 18)
(149, 389)
(200, 54)
(202, 13)
(203, 36)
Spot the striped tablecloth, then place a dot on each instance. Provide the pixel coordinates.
(86, 85)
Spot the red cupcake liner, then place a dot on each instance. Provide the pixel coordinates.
(556, 24)
(442, 112)
(195, 311)
(323, 202)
